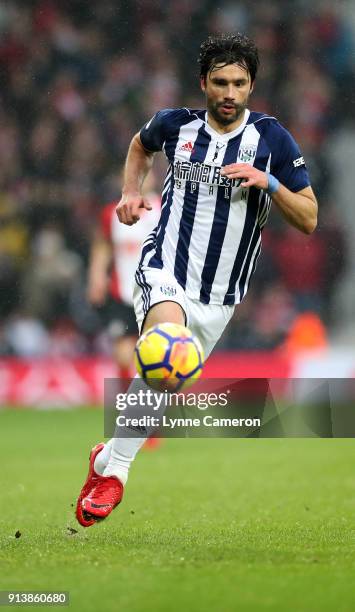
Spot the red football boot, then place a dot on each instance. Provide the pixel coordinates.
(103, 498)
(91, 481)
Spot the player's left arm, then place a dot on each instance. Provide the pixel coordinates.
(298, 208)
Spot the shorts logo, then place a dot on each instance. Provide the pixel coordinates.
(299, 162)
(168, 290)
(246, 153)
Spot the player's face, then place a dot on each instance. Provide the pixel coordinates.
(227, 90)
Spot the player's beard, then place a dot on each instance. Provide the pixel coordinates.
(213, 109)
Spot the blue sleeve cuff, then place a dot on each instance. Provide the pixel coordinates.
(273, 184)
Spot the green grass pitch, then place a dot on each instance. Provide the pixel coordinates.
(214, 524)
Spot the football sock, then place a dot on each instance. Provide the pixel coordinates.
(102, 458)
(127, 441)
(123, 452)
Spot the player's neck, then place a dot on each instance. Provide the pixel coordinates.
(225, 129)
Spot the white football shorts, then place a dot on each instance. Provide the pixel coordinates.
(207, 321)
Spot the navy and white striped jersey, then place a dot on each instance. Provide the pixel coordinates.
(209, 232)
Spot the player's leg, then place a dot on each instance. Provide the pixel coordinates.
(123, 448)
(118, 454)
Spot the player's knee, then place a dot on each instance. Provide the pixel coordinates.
(164, 312)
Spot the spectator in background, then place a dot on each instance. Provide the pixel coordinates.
(14, 239)
(53, 273)
(26, 336)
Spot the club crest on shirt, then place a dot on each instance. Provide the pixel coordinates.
(168, 290)
(246, 153)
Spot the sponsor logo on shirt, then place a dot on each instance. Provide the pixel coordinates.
(197, 172)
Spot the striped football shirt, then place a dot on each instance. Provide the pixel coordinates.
(209, 232)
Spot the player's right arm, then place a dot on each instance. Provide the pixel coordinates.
(138, 163)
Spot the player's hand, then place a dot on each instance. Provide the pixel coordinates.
(96, 292)
(250, 176)
(130, 207)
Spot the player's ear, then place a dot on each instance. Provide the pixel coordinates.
(252, 87)
(203, 83)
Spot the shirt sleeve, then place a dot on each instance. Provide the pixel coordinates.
(287, 163)
(153, 134)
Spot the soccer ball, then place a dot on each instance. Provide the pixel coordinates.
(169, 357)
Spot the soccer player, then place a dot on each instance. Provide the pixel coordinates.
(226, 165)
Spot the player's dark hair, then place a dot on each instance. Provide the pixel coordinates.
(228, 49)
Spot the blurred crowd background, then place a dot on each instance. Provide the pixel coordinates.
(78, 79)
